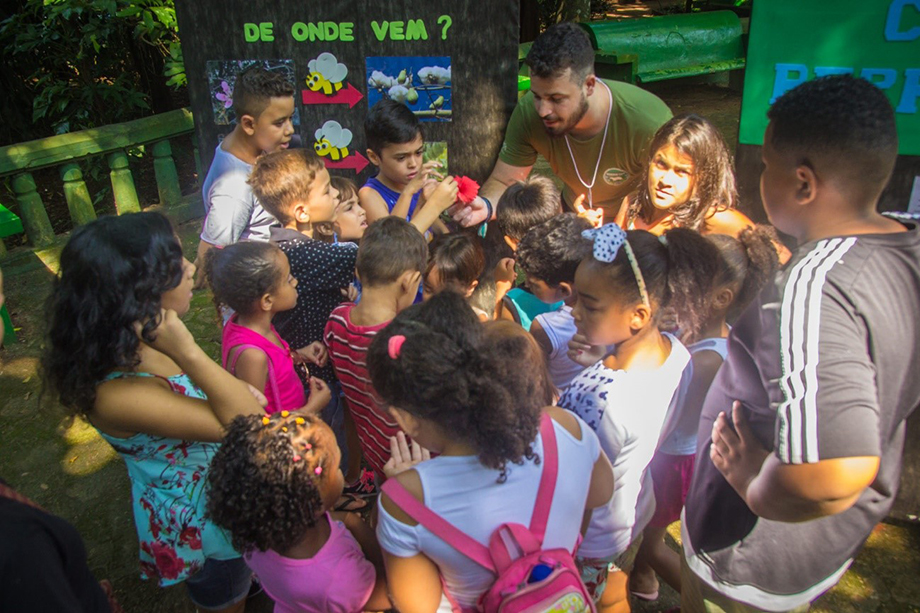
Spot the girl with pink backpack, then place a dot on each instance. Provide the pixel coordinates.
(490, 521)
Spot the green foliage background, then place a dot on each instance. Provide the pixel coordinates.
(67, 65)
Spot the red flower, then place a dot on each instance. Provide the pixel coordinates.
(467, 189)
(191, 536)
(169, 565)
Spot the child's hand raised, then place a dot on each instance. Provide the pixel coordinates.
(402, 457)
(582, 353)
(595, 217)
(350, 292)
(320, 395)
(315, 353)
(427, 171)
(445, 194)
(170, 336)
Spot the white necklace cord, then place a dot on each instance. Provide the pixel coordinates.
(600, 153)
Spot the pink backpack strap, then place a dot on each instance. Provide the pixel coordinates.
(547, 487)
(237, 350)
(440, 527)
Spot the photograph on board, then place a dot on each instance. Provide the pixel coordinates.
(222, 76)
(421, 83)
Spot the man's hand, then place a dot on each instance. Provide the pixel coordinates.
(737, 453)
(402, 458)
(471, 214)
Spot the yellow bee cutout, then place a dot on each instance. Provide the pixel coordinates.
(326, 74)
(332, 141)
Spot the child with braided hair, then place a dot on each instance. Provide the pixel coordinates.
(273, 482)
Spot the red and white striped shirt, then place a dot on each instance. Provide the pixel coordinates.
(347, 344)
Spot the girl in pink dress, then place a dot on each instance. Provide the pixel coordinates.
(254, 279)
(273, 484)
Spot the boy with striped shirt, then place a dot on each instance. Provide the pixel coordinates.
(801, 434)
(390, 262)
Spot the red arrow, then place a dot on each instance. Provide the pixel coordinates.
(355, 161)
(347, 95)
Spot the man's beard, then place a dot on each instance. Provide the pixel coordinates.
(567, 127)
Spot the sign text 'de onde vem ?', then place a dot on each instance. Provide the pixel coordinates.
(410, 29)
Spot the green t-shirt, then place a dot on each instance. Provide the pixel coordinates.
(635, 116)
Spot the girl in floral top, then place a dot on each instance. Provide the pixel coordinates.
(119, 355)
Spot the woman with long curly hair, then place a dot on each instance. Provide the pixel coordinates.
(119, 356)
(688, 183)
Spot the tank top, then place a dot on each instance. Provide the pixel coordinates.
(681, 440)
(169, 492)
(283, 388)
(390, 196)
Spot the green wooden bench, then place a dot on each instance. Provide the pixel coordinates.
(649, 49)
(10, 224)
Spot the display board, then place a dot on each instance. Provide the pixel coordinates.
(792, 41)
(453, 63)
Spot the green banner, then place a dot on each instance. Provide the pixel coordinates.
(792, 41)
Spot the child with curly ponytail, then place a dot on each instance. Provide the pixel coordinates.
(454, 393)
(627, 289)
(745, 265)
(273, 483)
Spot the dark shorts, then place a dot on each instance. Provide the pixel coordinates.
(671, 475)
(219, 584)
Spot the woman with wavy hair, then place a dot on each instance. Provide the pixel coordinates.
(688, 183)
(119, 356)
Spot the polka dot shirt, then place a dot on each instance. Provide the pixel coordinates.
(322, 270)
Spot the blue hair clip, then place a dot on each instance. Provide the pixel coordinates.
(607, 242)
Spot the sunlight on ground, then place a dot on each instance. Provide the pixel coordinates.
(51, 258)
(88, 451)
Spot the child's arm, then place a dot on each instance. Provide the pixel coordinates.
(129, 405)
(415, 582)
(442, 198)
(380, 599)
(539, 335)
(320, 395)
(505, 275)
(251, 367)
(401, 208)
(373, 204)
(785, 492)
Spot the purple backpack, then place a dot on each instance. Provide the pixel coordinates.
(529, 579)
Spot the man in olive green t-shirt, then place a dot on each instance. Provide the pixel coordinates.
(594, 133)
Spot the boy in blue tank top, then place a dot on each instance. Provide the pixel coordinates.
(395, 145)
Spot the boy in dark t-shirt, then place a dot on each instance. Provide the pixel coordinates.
(802, 431)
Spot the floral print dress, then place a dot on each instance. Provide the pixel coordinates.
(169, 494)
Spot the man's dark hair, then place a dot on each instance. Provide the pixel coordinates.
(254, 89)
(841, 124)
(553, 250)
(390, 123)
(390, 247)
(564, 45)
(527, 204)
